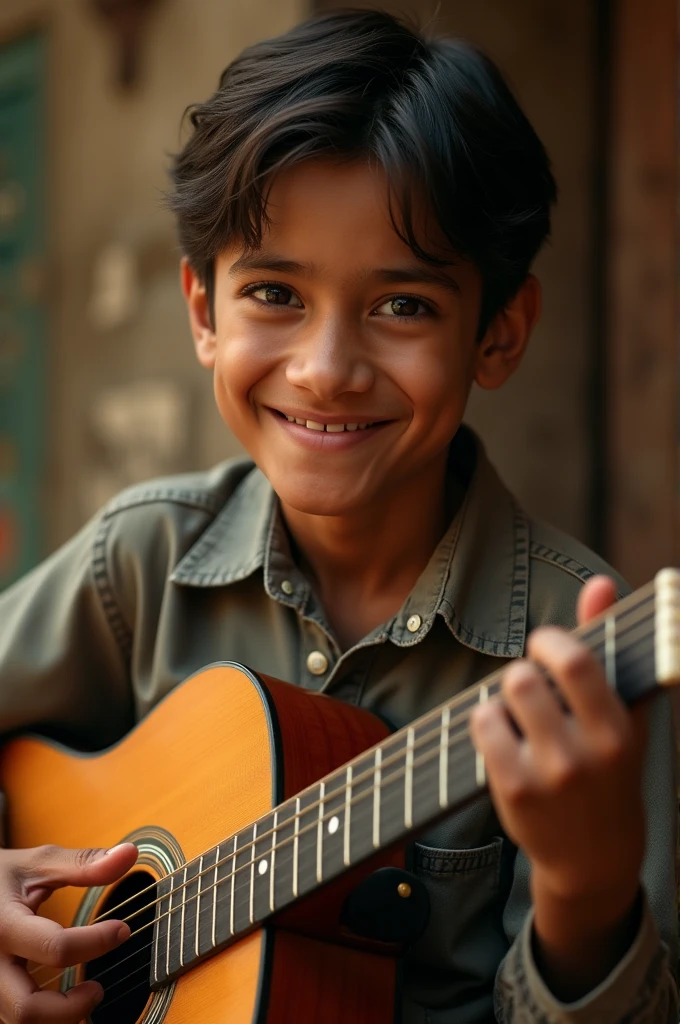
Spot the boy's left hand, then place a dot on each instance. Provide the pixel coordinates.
(568, 791)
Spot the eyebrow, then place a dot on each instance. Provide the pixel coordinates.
(389, 275)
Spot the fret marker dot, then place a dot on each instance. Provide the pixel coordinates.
(262, 867)
(333, 825)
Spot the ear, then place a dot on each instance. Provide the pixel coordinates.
(198, 307)
(501, 349)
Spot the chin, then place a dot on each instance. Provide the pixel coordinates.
(312, 502)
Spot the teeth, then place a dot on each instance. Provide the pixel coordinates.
(330, 428)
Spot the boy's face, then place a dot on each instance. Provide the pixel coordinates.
(334, 322)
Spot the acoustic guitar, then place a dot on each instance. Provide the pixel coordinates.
(272, 827)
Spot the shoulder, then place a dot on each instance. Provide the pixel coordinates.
(149, 527)
(559, 565)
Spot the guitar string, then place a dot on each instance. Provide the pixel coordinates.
(249, 864)
(460, 736)
(244, 849)
(146, 967)
(466, 700)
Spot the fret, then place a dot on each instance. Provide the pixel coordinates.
(444, 759)
(610, 650)
(307, 841)
(272, 873)
(426, 784)
(262, 868)
(319, 835)
(213, 936)
(408, 780)
(168, 942)
(348, 818)
(206, 904)
(219, 883)
(360, 834)
(335, 797)
(241, 888)
(161, 928)
(296, 849)
(284, 878)
(232, 893)
(199, 887)
(377, 777)
(480, 767)
(189, 923)
(251, 907)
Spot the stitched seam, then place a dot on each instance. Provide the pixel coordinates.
(191, 499)
(117, 624)
(545, 554)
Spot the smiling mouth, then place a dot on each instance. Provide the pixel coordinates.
(330, 428)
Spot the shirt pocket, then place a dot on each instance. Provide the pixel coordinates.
(464, 941)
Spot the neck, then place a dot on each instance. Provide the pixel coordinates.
(372, 557)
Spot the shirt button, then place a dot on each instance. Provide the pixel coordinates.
(414, 623)
(287, 587)
(317, 663)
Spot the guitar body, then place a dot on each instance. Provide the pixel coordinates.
(221, 750)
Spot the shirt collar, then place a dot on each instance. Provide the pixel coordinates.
(477, 579)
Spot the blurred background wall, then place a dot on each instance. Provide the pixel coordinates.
(98, 384)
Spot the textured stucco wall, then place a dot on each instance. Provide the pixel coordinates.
(106, 171)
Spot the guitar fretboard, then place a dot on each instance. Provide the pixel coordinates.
(408, 781)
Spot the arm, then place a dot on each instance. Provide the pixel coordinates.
(63, 672)
(63, 663)
(570, 791)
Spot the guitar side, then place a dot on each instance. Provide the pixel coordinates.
(216, 754)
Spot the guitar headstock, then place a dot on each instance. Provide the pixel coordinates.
(667, 626)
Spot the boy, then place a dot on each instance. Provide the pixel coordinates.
(359, 209)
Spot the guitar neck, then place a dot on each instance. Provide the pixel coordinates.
(415, 776)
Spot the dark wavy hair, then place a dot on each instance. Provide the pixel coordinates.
(435, 114)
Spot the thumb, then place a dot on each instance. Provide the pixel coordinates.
(50, 867)
(596, 596)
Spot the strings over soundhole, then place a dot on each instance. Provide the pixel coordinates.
(125, 973)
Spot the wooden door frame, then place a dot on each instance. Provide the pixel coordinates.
(640, 356)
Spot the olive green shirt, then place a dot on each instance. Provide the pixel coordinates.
(178, 573)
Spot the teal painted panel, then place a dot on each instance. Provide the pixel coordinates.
(23, 327)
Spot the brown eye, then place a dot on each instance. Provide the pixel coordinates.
(275, 295)
(278, 296)
(403, 306)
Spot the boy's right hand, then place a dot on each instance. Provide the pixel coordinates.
(27, 878)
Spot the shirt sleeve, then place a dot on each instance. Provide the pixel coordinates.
(64, 649)
(641, 989)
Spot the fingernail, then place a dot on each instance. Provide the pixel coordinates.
(123, 933)
(98, 998)
(114, 849)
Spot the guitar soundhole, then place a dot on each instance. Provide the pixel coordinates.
(125, 972)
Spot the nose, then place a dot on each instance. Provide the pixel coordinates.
(329, 360)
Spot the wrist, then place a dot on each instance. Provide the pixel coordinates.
(579, 940)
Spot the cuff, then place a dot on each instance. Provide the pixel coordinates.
(637, 982)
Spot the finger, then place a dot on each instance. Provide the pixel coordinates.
(533, 706)
(598, 594)
(48, 867)
(21, 999)
(496, 740)
(578, 676)
(25, 935)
